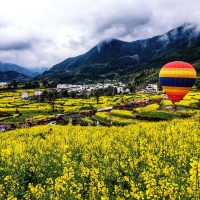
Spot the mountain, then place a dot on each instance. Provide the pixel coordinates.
(8, 76)
(12, 67)
(110, 59)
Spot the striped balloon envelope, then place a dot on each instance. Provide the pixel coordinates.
(177, 78)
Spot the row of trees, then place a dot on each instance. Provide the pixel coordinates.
(49, 96)
(29, 84)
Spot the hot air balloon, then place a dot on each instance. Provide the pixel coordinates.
(177, 78)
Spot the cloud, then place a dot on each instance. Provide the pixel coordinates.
(18, 46)
(39, 33)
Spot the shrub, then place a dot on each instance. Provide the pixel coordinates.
(150, 107)
(123, 114)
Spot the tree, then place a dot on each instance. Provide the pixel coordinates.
(136, 83)
(14, 84)
(197, 83)
(131, 87)
(64, 93)
(109, 91)
(45, 83)
(97, 95)
(73, 94)
(49, 97)
(9, 86)
(52, 95)
(36, 84)
(115, 91)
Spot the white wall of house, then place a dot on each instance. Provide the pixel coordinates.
(127, 90)
(152, 87)
(90, 87)
(38, 92)
(24, 95)
(120, 89)
(3, 83)
(61, 86)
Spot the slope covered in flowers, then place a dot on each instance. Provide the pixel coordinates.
(139, 161)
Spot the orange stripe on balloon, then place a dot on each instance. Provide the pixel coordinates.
(176, 94)
(169, 89)
(177, 74)
(176, 88)
(177, 69)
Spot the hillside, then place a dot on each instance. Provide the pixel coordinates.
(8, 76)
(4, 67)
(118, 60)
(149, 71)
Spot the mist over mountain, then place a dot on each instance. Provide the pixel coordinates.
(39, 70)
(115, 57)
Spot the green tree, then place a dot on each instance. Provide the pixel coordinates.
(45, 83)
(197, 83)
(109, 91)
(14, 83)
(115, 91)
(64, 93)
(97, 94)
(73, 94)
(36, 84)
(48, 96)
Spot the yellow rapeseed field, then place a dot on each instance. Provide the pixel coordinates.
(138, 161)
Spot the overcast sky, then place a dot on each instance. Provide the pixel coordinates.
(42, 33)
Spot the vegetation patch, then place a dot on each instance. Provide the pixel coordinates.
(122, 114)
(160, 114)
(87, 120)
(151, 107)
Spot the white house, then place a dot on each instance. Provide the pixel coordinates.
(120, 89)
(3, 83)
(38, 92)
(90, 87)
(24, 95)
(61, 86)
(152, 87)
(127, 90)
(70, 87)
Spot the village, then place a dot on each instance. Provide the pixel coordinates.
(88, 89)
(64, 118)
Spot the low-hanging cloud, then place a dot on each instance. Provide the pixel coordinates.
(17, 46)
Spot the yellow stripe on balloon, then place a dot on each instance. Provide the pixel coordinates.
(178, 74)
(178, 69)
(170, 89)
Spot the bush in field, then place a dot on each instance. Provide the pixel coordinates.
(123, 114)
(160, 114)
(150, 107)
(187, 103)
(103, 116)
(88, 120)
(119, 121)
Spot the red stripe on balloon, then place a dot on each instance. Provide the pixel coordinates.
(178, 64)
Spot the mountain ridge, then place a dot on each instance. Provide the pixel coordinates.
(5, 66)
(115, 57)
(8, 76)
